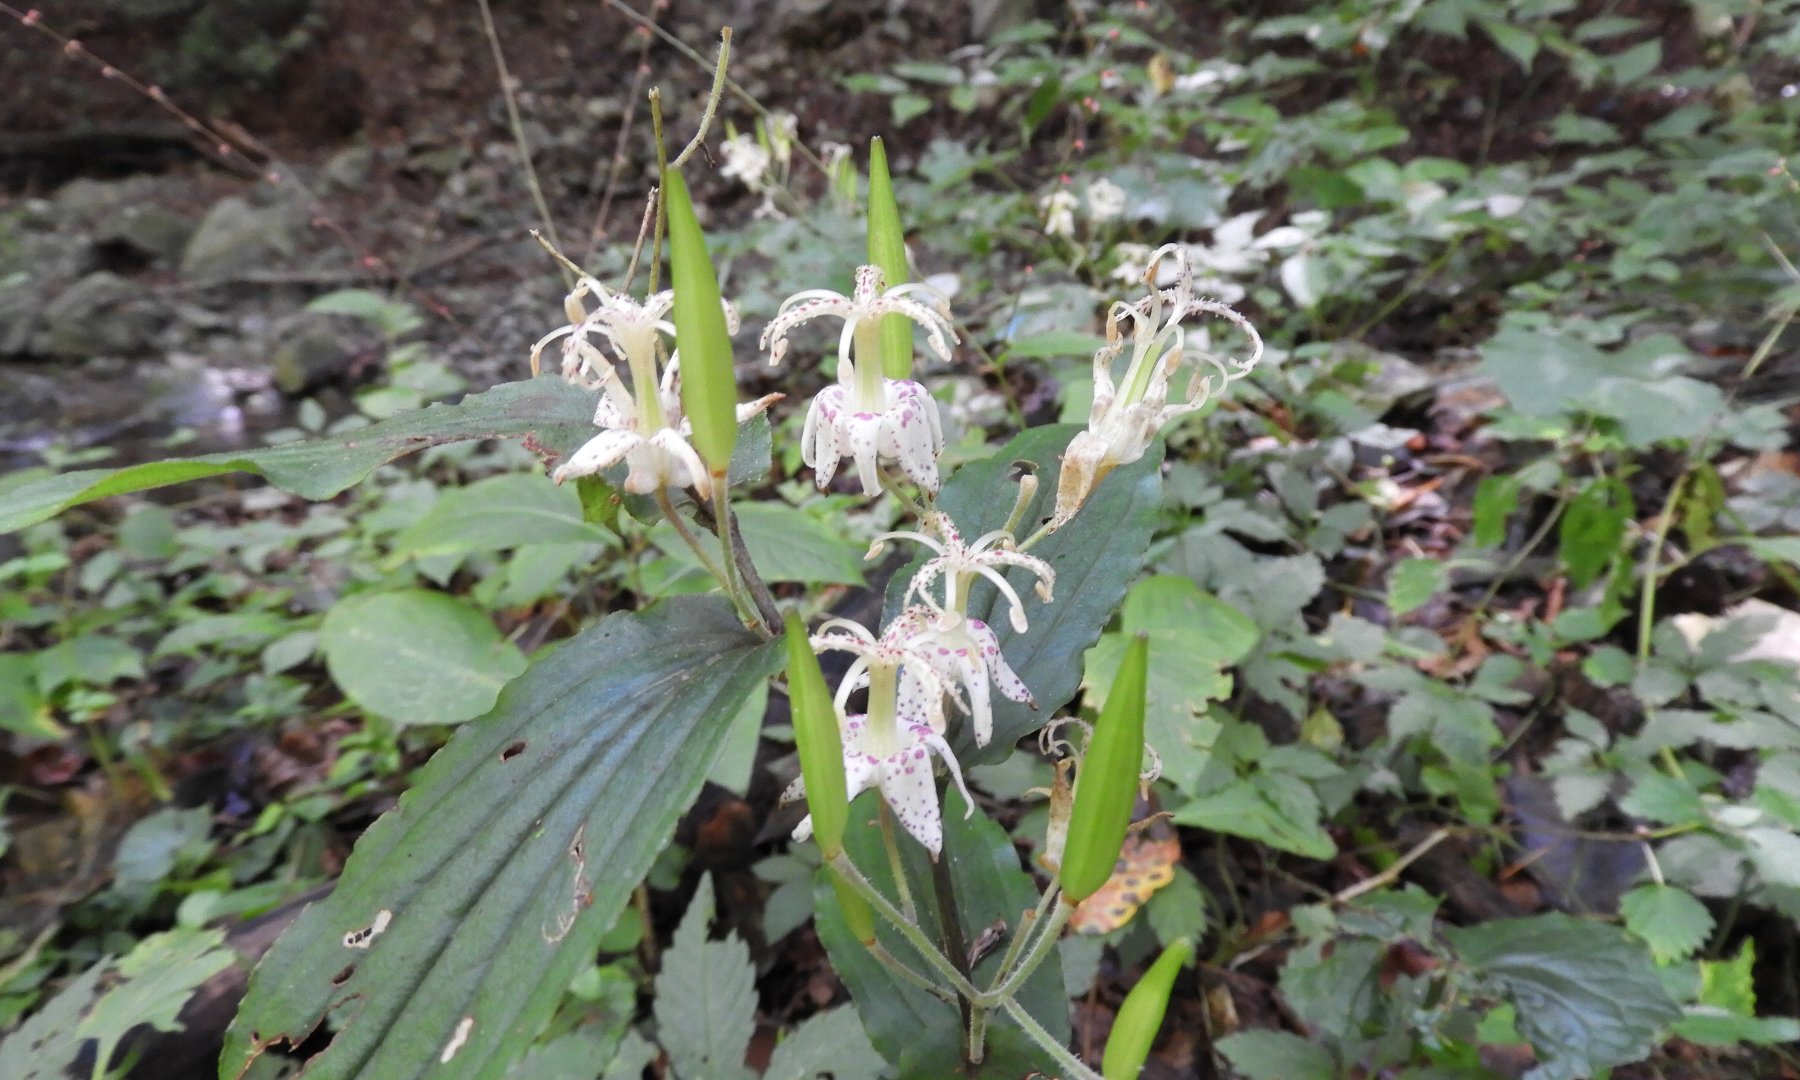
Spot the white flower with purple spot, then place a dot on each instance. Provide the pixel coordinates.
(889, 746)
(1125, 419)
(867, 417)
(959, 563)
(640, 424)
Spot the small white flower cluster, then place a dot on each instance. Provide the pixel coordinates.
(761, 161)
(932, 651)
(1104, 201)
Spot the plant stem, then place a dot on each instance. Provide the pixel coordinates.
(729, 545)
(897, 867)
(908, 929)
(1032, 920)
(518, 126)
(712, 98)
(908, 975)
(1071, 1065)
(687, 535)
(1041, 947)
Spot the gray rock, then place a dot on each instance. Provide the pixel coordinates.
(149, 229)
(236, 236)
(102, 314)
(311, 354)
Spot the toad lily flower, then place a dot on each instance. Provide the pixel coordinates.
(640, 424)
(1124, 419)
(865, 416)
(965, 651)
(958, 563)
(889, 746)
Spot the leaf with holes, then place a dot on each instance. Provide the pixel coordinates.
(464, 912)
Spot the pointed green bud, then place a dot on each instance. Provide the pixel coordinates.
(708, 383)
(1106, 787)
(816, 737)
(887, 249)
(1141, 1013)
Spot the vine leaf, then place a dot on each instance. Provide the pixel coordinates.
(1096, 557)
(464, 911)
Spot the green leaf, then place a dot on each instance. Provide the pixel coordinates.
(22, 707)
(831, 1042)
(919, 1033)
(1413, 582)
(1193, 637)
(1495, 500)
(1277, 810)
(1096, 556)
(1277, 1055)
(1670, 920)
(161, 973)
(1521, 45)
(1593, 528)
(1587, 995)
(499, 513)
(551, 415)
(152, 848)
(416, 656)
(496, 877)
(46, 1044)
(1051, 343)
(705, 997)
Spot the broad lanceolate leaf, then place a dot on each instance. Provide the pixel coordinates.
(920, 1033)
(498, 514)
(1096, 557)
(1587, 996)
(554, 416)
(416, 656)
(464, 912)
(705, 997)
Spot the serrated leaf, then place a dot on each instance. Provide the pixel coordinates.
(1587, 996)
(416, 656)
(160, 974)
(553, 416)
(921, 1034)
(831, 1042)
(1193, 636)
(1593, 528)
(1096, 556)
(1670, 920)
(1277, 810)
(46, 1044)
(705, 997)
(477, 898)
(1277, 1055)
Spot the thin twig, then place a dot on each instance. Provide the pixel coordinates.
(517, 125)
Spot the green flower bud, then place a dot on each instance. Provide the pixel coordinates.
(1106, 788)
(887, 249)
(708, 382)
(1141, 1013)
(819, 742)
